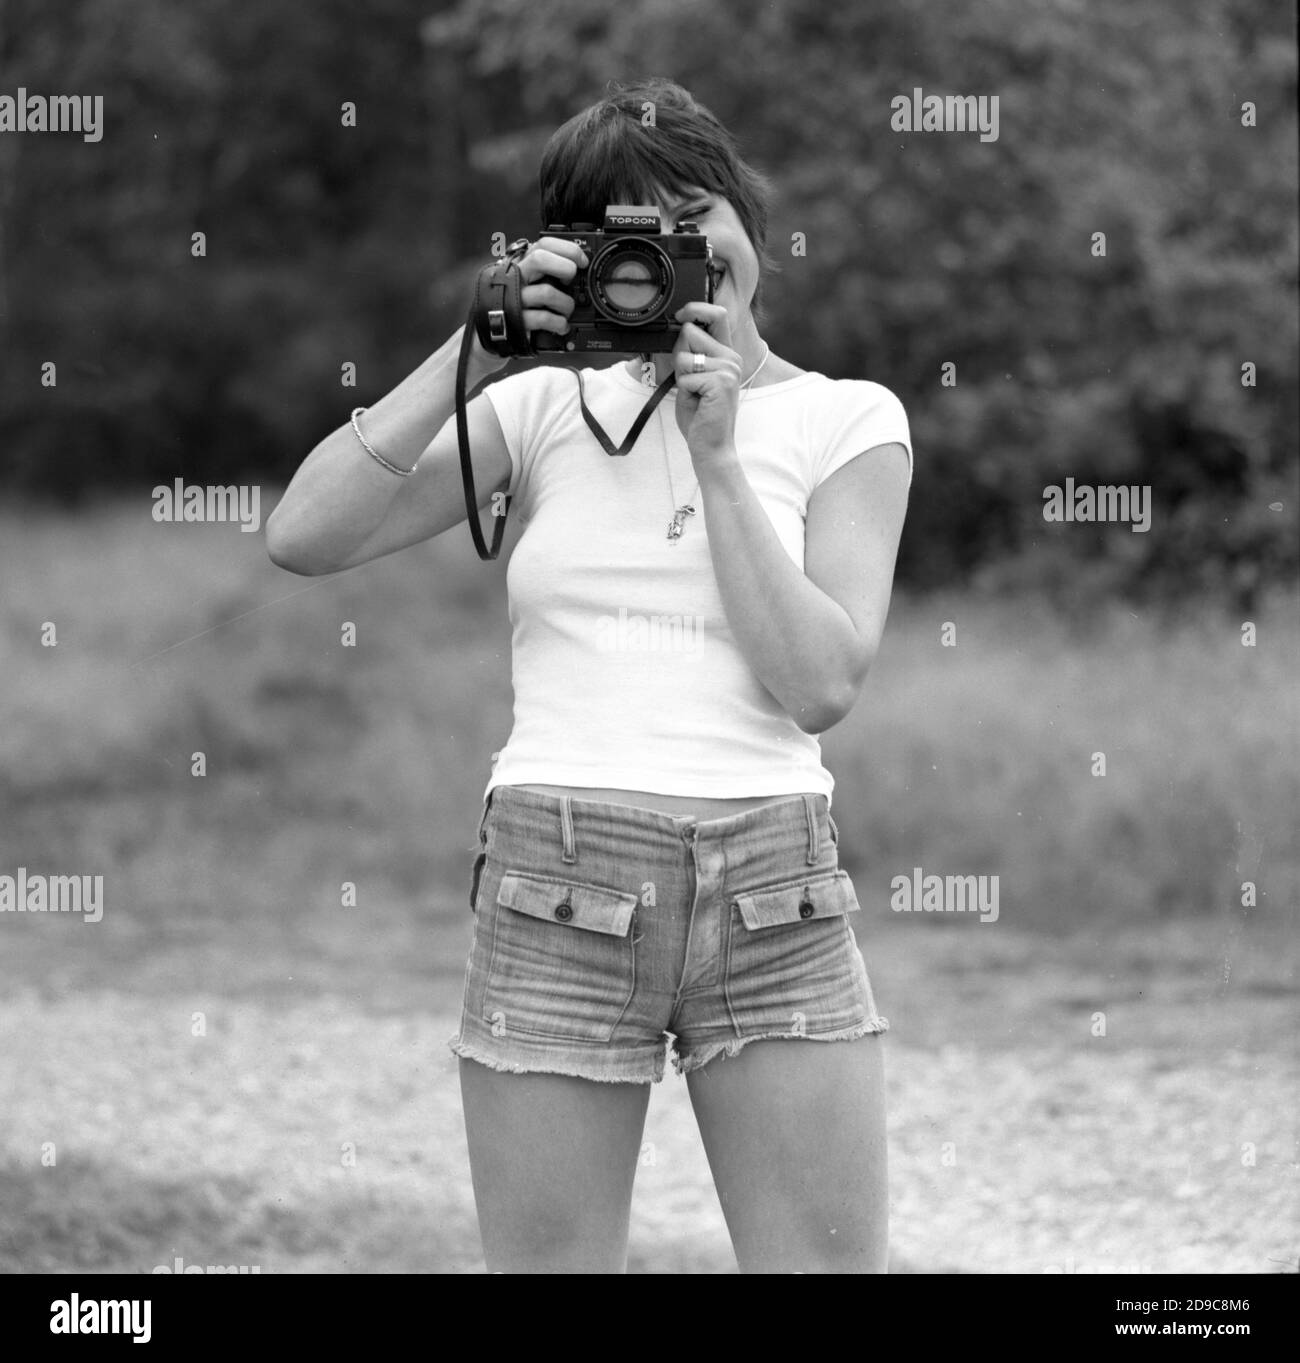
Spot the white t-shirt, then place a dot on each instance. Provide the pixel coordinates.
(626, 674)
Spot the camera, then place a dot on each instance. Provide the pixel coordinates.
(635, 281)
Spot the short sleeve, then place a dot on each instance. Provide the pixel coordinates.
(524, 406)
(865, 415)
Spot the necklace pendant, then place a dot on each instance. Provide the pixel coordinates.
(678, 522)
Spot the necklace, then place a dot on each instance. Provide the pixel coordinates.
(678, 522)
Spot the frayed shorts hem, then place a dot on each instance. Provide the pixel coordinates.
(582, 1067)
(703, 1054)
(575, 1067)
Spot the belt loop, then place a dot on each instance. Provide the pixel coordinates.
(814, 833)
(566, 823)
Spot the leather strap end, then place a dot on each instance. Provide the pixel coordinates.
(499, 310)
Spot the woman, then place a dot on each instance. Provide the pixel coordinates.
(657, 858)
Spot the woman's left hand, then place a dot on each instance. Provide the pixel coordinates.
(707, 401)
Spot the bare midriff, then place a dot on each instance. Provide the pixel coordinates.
(693, 806)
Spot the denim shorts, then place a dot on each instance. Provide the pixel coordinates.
(606, 934)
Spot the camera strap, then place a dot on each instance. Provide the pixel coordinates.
(496, 316)
(462, 442)
(637, 426)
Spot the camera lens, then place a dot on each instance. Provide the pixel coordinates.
(629, 285)
(631, 281)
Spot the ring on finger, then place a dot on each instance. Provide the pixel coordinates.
(697, 363)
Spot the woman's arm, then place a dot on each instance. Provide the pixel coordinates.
(810, 636)
(343, 508)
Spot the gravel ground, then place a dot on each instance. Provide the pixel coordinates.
(324, 1136)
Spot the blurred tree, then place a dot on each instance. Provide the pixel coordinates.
(925, 250)
(328, 244)
(230, 123)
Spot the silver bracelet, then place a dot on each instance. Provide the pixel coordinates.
(369, 449)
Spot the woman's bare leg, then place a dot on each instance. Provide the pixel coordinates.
(553, 1159)
(795, 1135)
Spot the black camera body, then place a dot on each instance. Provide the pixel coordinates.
(636, 279)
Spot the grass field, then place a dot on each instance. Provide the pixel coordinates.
(315, 1125)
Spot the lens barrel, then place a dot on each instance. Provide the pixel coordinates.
(631, 281)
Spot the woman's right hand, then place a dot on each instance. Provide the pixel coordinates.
(546, 308)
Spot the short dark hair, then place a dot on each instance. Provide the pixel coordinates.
(612, 153)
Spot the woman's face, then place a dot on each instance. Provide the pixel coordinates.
(735, 262)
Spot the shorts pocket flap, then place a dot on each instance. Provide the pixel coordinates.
(561, 901)
(818, 897)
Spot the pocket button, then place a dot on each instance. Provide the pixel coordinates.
(806, 909)
(564, 912)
